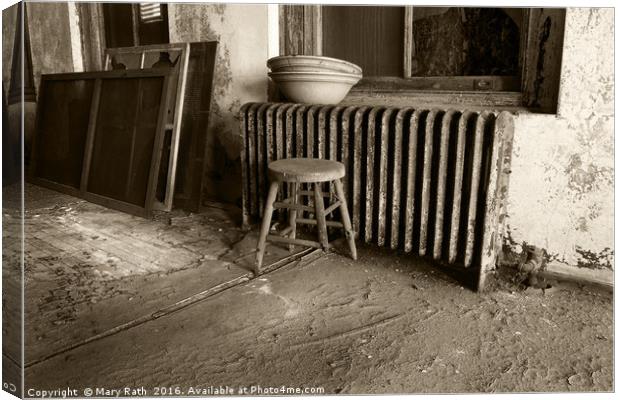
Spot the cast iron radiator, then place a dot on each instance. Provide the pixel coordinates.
(427, 181)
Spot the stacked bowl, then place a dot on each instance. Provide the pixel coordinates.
(313, 79)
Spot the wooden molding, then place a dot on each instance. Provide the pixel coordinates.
(408, 44)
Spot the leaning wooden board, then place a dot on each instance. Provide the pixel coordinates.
(191, 165)
(144, 57)
(116, 151)
(186, 165)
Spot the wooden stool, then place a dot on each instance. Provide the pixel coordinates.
(313, 172)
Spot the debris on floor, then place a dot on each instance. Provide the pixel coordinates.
(387, 323)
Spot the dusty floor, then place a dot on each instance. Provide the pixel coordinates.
(387, 323)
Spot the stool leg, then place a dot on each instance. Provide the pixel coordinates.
(319, 210)
(292, 214)
(264, 230)
(346, 221)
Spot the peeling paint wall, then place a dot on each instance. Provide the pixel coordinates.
(561, 186)
(50, 39)
(240, 77)
(51, 48)
(8, 36)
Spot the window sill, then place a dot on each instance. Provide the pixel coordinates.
(435, 98)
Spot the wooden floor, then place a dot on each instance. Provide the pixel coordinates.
(89, 269)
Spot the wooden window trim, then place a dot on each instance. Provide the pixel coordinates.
(300, 33)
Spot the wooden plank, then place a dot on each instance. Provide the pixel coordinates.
(195, 125)
(112, 198)
(90, 136)
(320, 215)
(332, 207)
(307, 221)
(401, 96)
(130, 73)
(408, 44)
(292, 37)
(298, 242)
(61, 131)
(176, 130)
(298, 207)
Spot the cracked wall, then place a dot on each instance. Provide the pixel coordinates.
(561, 186)
(240, 77)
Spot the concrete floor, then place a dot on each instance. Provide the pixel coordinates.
(387, 323)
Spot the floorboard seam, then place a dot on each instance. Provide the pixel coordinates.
(179, 305)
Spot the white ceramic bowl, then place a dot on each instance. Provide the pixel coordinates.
(315, 87)
(312, 64)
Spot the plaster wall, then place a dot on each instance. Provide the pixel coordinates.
(240, 77)
(51, 50)
(8, 36)
(50, 39)
(561, 186)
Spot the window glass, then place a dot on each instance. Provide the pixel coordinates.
(455, 41)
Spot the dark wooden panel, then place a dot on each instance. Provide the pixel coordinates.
(62, 126)
(371, 37)
(124, 137)
(543, 59)
(194, 125)
(118, 22)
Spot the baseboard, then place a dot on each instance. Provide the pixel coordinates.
(599, 277)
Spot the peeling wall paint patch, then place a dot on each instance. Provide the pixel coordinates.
(562, 182)
(240, 77)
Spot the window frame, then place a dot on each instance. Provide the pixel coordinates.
(137, 24)
(301, 33)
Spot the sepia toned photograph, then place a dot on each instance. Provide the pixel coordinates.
(276, 199)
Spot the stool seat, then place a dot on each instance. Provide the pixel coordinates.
(305, 170)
